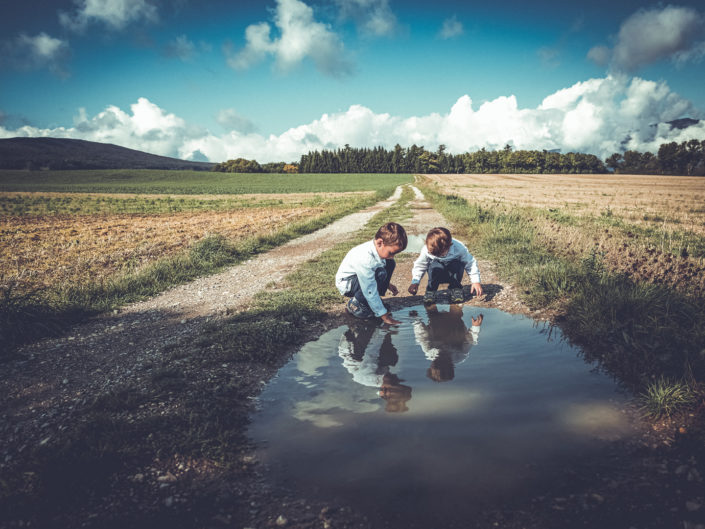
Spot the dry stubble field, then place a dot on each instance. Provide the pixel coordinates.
(650, 227)
(83, 239)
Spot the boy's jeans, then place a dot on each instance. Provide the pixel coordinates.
(450, 272)
(383, 276)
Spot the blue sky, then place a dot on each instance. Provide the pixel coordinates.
(272, 80)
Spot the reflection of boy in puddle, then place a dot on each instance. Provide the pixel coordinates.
(370, 367)
(446, 340)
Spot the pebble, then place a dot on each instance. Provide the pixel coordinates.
(169, 501)
(167, 478)
(693, 505)
(281, 521)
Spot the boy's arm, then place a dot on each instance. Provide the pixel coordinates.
(470, 264)
(418, 270)
(368, 285)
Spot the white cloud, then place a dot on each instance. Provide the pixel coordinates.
(229, 118)
(301, 37)
(452, 27)
(114, 13)
(651, 35)
(373, 17)
(40, 51)
(599, 116)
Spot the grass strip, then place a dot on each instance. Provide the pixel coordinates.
(637, 332)
(38, 314)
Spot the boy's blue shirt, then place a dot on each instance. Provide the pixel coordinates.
(457, 251)
(362, 261)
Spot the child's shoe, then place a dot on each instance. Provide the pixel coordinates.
(358, 310)
(456, 295)
(429, 297)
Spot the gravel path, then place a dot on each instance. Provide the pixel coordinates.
(233, 289)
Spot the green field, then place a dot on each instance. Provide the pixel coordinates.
(193, 182)
(87, 204)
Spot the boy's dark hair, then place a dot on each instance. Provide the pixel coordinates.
(392, 234)
(438, 240)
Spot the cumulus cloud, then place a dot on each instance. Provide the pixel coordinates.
(116, 14)
(229, 119)
(451, 28)
(147, 128)
(300, 37)
(599, 116)
(651, 35)
(40, 51)
(373, 17)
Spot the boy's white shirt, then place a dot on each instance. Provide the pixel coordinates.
(458, 352)
(457, 250)
(362, 261)
(367, 371)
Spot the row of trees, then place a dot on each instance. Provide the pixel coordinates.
(416, 159)
(241, 165)
(687, 158)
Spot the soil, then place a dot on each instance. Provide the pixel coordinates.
(48, 388)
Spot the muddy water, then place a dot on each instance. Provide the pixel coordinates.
(426, 424)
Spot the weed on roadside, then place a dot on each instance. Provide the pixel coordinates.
(665, 397)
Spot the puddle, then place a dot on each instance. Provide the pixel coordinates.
(426, 424)
(415, 243)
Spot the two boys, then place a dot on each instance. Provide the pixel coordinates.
(366, 271)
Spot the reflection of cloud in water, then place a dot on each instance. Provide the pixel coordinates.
(325, 409)
(450, 402)
(600, 419)
(310, 361)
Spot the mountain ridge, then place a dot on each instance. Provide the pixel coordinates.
(67, 153)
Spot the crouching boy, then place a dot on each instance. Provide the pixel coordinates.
(366, 272)
(445, 259)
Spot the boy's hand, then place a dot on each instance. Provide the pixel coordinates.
(387, 318)
(413, 288)
(476, 288)
(393, 289)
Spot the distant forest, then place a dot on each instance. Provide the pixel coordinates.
(687, 158)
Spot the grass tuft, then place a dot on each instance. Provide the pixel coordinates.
(665, 397)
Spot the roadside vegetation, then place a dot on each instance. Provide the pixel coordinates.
(64, 258)
(639, 325)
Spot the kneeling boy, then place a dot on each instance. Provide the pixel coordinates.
(445, 259)
(366, 272)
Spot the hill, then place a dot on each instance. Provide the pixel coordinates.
(63, 153)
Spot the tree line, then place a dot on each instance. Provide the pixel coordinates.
(687, 158)
(416, 159)
(241, 165)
